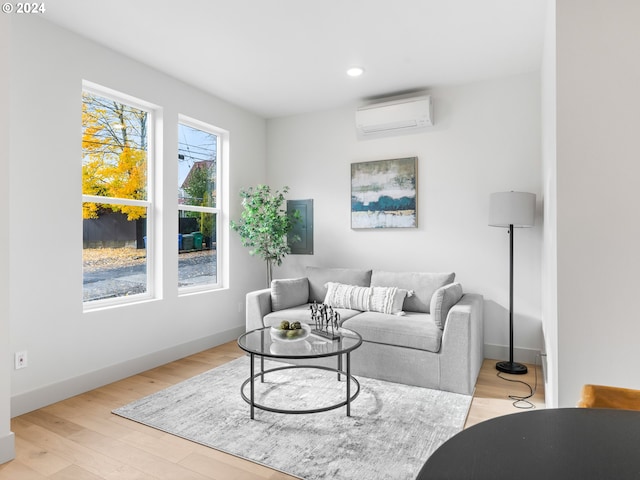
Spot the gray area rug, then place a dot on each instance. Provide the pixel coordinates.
(392, 430)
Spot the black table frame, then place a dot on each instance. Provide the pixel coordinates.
(349, 378)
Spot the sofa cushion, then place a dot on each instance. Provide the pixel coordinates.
(422, 284)
(301, 313)
(414, 330)
(289, 292)
(319, 276)
(443, 299)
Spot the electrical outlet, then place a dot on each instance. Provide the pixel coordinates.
(21, 359)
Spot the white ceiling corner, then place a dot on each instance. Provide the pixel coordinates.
(284, 57)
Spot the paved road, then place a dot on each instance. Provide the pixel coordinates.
(123, 281)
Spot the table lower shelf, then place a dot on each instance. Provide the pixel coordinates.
(349, 380)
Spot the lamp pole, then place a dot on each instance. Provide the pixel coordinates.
(511, 366)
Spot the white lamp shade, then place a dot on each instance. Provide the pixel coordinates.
(512, 208)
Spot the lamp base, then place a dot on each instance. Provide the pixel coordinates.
(511, 367)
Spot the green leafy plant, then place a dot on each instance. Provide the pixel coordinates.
(264, 225)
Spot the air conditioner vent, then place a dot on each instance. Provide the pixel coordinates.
(403, 115)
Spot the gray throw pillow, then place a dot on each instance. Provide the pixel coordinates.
(423, 284)
(443, 299)
(289, 292)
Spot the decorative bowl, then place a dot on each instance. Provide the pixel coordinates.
(280, 335)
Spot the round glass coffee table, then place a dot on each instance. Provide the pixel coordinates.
(265, 343)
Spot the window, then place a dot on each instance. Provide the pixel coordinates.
(198, 205)
(116, 198)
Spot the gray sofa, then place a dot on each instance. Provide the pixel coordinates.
(417, 328)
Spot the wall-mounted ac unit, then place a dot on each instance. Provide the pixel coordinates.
(395, 116)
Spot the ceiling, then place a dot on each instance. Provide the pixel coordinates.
(284, 57)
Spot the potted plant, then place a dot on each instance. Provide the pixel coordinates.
(264, 225)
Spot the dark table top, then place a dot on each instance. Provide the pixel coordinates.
(564, 443)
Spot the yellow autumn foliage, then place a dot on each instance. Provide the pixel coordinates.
(113, 165)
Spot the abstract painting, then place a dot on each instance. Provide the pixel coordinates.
(384, 193)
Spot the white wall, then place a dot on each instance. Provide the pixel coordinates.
(550, 241)
(486, 139)
(598, 146)
(7, 443)
(71, 351)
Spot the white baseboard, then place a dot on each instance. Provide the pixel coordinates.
(41, 397)
(522, 355)
(7, 448)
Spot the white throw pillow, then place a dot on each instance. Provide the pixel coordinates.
(353, 297)
(388, 299)
(366, 299)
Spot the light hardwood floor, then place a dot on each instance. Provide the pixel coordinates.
(79, 439)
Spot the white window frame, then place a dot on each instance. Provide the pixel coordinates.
(153, 113)
(221, 142)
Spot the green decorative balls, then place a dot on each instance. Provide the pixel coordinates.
(290, 329)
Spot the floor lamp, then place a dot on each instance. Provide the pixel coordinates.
(511, 210)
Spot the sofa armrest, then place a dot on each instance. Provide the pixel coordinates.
(462, 350)
(258, 304)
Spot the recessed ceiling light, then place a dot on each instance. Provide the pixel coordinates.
(355, 71)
